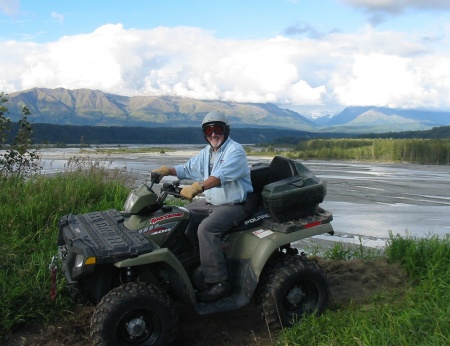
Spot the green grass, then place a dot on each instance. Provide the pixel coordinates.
(345, 251)
(30, 210)
(423, 151)
(29, 214)
(419, 317)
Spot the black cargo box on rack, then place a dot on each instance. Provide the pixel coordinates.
(289, 190)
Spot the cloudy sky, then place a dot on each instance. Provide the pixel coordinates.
(312, 56)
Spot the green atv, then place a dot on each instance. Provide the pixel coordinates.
(134, 264)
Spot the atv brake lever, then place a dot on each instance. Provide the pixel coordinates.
(155, 178)
(177, 194)
(172, 189)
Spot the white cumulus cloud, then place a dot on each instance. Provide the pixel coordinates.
(10, 7)
(379, 10)
(367, 67)
(397, 6)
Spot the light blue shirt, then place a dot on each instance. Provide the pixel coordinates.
(230, 167)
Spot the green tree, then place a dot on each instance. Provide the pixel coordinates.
(20, 159)
(5, 122)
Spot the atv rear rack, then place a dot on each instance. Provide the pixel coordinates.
(321, 217)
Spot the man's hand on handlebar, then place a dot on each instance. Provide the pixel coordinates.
(163, 171)
(189, 192)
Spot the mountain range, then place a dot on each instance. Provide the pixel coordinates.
(96, 108)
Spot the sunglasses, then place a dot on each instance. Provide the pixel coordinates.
(217, 129)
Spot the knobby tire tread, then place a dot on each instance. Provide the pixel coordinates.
(120, 295)
(275, 275)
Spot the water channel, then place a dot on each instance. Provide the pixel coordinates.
(368, 200)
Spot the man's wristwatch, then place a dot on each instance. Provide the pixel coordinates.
(203, 187)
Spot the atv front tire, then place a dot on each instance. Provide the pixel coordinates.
(134, 314)
(291, 287)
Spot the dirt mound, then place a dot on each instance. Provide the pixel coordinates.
(354, 281)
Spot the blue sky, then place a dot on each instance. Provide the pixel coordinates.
(227, 19)
(307, 55)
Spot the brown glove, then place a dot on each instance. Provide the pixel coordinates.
(190, 192)
(163, 171)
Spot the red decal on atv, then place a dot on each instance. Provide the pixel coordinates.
(165, 217)
(313, 224)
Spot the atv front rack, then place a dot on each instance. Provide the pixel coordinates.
(104, 234)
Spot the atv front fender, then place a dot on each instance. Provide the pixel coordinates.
(174, 267)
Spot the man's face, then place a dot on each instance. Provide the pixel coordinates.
(215, 140)
(215, 133)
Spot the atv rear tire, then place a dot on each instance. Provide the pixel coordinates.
(134, 314)
(291, 287)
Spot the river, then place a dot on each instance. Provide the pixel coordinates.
(368, 200)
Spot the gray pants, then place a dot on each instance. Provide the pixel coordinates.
(217, 219)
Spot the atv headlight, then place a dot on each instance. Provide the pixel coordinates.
(79, 260)
(131, 200)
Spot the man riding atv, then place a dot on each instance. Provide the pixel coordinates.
(136, 263)
(222, 173)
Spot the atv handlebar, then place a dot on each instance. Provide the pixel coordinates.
(155, 178)
(173, 188)
(170, 188)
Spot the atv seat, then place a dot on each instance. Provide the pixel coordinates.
(261, 174)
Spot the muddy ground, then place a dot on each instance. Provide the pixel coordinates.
(354, 281)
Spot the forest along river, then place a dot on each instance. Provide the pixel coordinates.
(367, 200)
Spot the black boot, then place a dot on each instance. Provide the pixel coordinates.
(215, 292)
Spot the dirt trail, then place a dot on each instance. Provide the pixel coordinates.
(350, 281)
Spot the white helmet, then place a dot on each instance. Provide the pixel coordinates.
(215, 116)
(219, 118)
